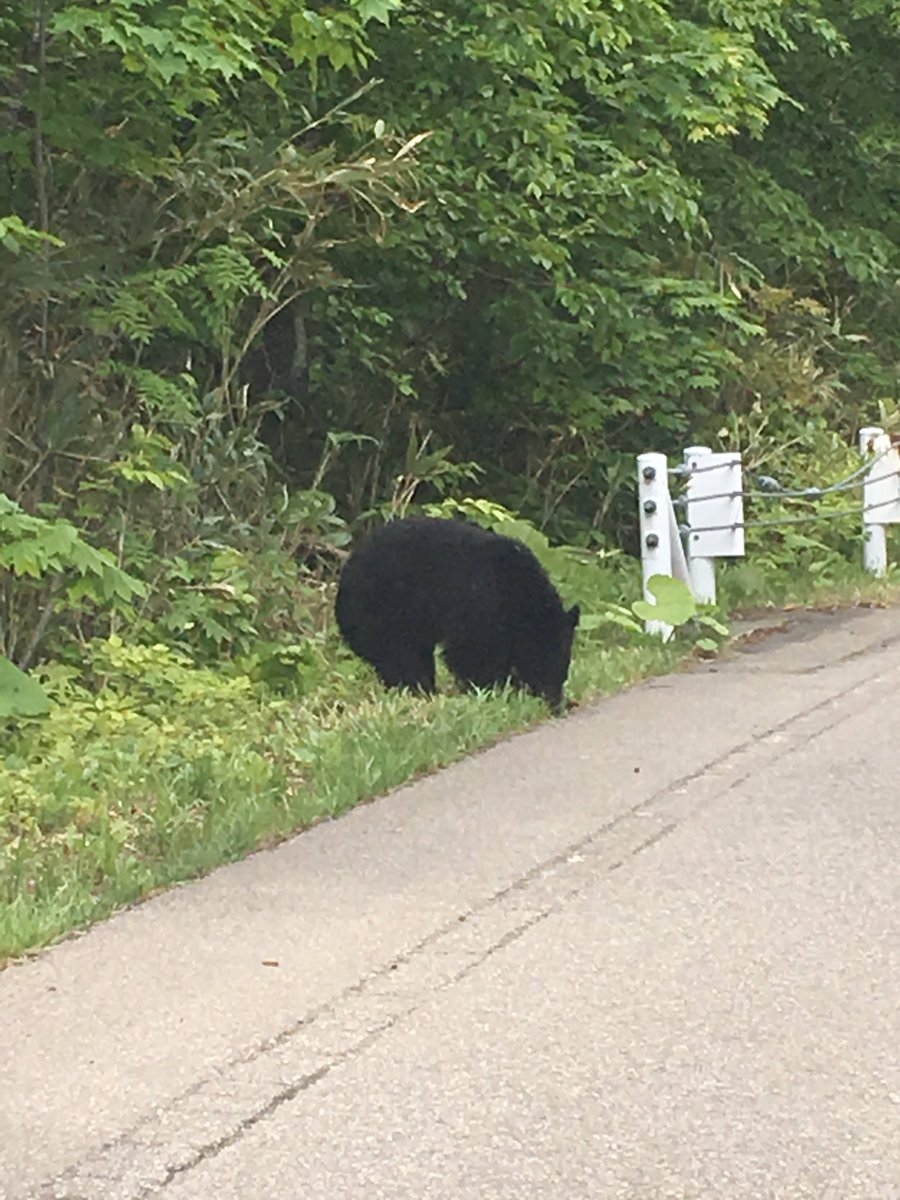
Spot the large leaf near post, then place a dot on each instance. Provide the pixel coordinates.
(20, 695)
(674, 603)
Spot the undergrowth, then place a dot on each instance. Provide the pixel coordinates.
(154, 766)
(170, 770)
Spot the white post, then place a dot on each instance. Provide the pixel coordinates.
(656, 537)
(703, 570)
(680, 568)
(874, 535)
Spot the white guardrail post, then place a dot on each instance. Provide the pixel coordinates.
(702, 569)
(655, 503)
(714, 515)
(881, 496)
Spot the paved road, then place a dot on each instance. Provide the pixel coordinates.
(652, 951)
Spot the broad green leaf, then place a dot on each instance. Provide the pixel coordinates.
(377, 10)
(20, 695)
(674, 603)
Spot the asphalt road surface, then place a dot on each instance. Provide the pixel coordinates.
(651, 951)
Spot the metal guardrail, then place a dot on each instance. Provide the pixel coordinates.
(714, 523)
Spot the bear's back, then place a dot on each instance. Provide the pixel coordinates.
(438, 561)
(426, 544)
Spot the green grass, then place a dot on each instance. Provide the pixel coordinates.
(160, 770)
(751, 584)
(156, 780)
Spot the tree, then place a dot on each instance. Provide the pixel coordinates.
(579, 283)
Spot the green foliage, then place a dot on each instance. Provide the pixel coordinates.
(173, 202)
(187, 53)
(108, 791)
(20, 695)
(674, 603)
(610, 201)
(799, 451)
(586, 278)
(47, 567)
(37, 546)
(16, 236)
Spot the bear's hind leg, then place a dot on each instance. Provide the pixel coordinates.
(477, 664)
(409, 667)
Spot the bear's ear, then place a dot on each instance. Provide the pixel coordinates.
(573, 614)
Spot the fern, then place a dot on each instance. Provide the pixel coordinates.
(228, 274)
(145, 304)
(168, 398)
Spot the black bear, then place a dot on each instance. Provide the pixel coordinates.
(420, 582)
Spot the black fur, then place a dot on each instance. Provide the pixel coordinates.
(417, 583)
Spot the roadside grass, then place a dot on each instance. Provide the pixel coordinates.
(753, 584)
(155, 771)
(137, 787)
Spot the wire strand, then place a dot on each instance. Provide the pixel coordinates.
(684, 469)
(788, 494)
(785, 493)
(778, 522)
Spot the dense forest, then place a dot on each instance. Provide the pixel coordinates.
(271, 267)
(274, 270)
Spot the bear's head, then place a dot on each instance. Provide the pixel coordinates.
(543, 662)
